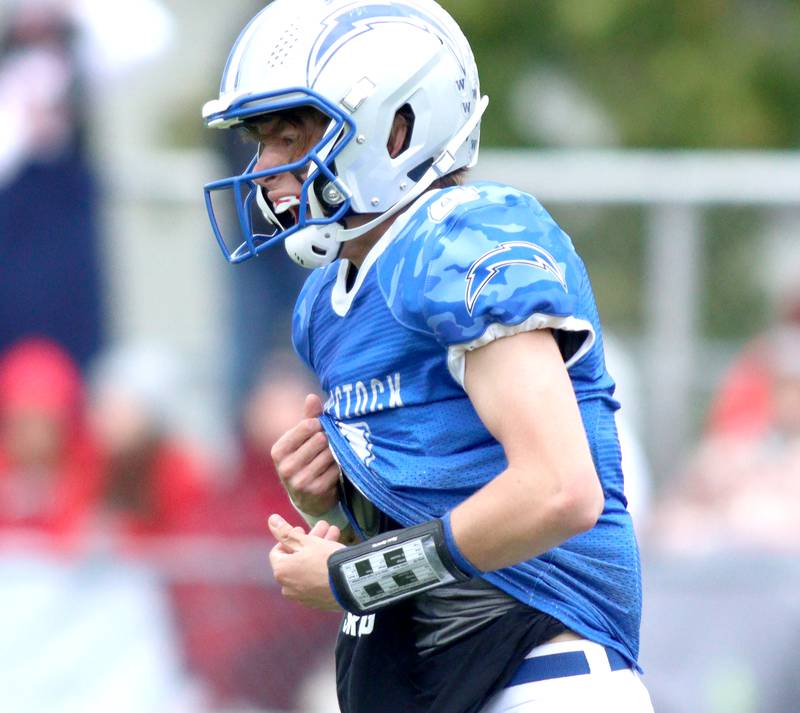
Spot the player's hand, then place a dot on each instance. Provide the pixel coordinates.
(300, 562)
(305, 463)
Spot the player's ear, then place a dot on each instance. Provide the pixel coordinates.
(399, 135)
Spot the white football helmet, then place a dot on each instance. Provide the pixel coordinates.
(357, 62)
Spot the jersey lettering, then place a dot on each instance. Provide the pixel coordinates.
(365, 396)
(358, 625)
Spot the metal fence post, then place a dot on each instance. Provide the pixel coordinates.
(674, 268)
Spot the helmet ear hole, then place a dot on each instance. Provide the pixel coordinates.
(406, 114)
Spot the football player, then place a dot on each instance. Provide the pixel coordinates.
(462, 481)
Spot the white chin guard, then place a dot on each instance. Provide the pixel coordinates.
(314, 246)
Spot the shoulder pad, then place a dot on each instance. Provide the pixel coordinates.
(475, 255)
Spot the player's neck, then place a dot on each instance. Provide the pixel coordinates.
(356, 250)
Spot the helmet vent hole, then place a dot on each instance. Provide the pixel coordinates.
(283, 47)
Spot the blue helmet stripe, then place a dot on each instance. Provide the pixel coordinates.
(342, 26)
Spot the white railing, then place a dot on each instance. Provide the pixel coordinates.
(675, 188)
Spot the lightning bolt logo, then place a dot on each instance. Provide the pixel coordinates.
(343, 25)
(486, 267)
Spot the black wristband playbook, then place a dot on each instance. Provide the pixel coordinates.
(392, 566)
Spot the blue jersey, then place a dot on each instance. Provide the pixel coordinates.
(461, 267)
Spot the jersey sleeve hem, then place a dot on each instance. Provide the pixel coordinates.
(456, 353)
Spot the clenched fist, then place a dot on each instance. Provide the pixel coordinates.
(305, 463)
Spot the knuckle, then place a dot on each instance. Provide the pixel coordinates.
(283, 473)
(297, 482)
(317, 488)
(320, 487)
(330, 481)
(320, 465)
(329, 460)
(314, 488)
(291, 465)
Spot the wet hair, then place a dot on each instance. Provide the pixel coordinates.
(456, 178)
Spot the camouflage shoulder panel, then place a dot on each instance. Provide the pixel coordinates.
(475, 254)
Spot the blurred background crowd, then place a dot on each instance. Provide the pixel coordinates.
(143, 380)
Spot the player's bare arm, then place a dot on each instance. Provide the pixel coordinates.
(550, 490)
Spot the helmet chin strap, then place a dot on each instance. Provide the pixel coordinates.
(440, 167)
